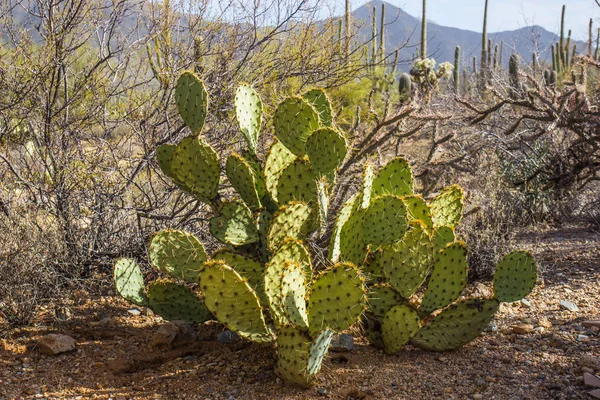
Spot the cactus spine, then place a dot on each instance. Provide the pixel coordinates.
(457, 70)
(424, 31)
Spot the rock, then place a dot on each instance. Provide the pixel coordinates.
(135, 312)
(477, 396)
(522, 329)
(545, 322)
(589, 362)
(525, 303)
(322, 391)
(342, 343)
(227, 337)
(582, 338)
(591, 324)
(588, 370)
(569, 306)
(492, 327)
(173, 334)
(595, 393)
(591, 380)
(56, 343)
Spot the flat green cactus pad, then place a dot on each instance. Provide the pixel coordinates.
(192, 101)
(297, 182)
(278, 158)
(178, 253)
(294, 121)
(293, 351)
(318, 351)
(447, 206)
(399, 325)
(293, 293)
(248, 110)
(320, 102)
(457, 325)
(326, 150)
(294, 220)
(264, 220)
(515, 276)
(385, 220)
(176, 302)
(242, 178)
(448, 279)
(129, 281)
(196, 165)
(342, 217)
(367, 188)
(229, 297)
(353, 247)
(245, 266)
(382, 297)
(408, 262)
(254, 163)
(234, 225)
(371, 327)
(443, 236)
(418, 209)
(337, 299)
(164, 156)
(394, 178)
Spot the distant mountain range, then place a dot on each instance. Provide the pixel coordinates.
(442, 40)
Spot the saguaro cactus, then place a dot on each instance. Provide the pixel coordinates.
(456, 71)
(424, 31)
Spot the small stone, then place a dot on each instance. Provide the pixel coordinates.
(582, 338)
(539, 329)
(135, 312)
(545, 322)
(591, 324)
(526, 303)
(591, 380)
(569, 306)
(477, 396)
(492, 327)
(322, 391)
(522, 329)
(342, 343)
(489, 379)
(227, 336)
(595, 393)
(173, 334)
(56, 343)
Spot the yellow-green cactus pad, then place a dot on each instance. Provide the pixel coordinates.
(234, 225)
(164, 156)
(229, 297)
(242, 178)
(318, 351)
(418, 209)
(293, 281)
(443, 236)
(297, 182)
(176, 302)
(326, 150)
(254, 163)
(457, 325)
(178, 253)
(353, 247)
(447, 206)
(278, 158)
(394, 178)
(337, 299)
(294, 220)
(196, 165)
(448, 279)
(248, 268)
(399, 325)
(342, 217)
(408, 262)
(320, 102)
(515, 276)
(293, 351)
(294, 121)
(192, 101)
(129, 281)
(382, 297)
(385, 220)
(248, 110)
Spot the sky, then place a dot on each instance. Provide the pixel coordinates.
(505, 14)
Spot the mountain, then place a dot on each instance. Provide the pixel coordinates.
(442, 40)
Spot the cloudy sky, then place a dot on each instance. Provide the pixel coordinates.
(505, 14)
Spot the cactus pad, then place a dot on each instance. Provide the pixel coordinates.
(382, 297)
(242, 178)
(318, 351)
(177, 253)
(385, 220)
(394, 178)
(399, 325)
(175, 302)
(196, 165)
(443, 236)
(130, 281)
(294, 121)
(294, 220)
(419, 210)
(293, 281)
(192, 101)
(164, 156)
(293, 351)
(320, 102)
(408, 262)
(353, 247)
(297, 182)
(447, 206)
(278, 158)
(246, 267)
(448, 279)
(229, 297)
(337, 299)
(515, 276)
(248, 110)
(326, 150)
(234, 225)
(457, 325)
(342, 217)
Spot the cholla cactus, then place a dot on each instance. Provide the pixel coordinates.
(424, 74)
